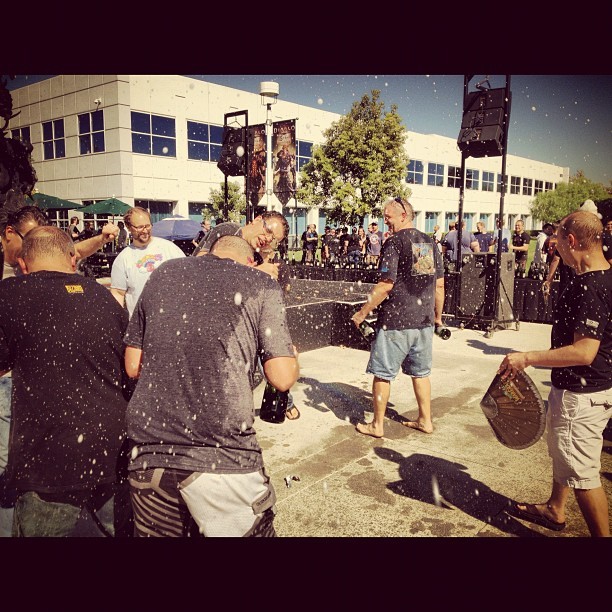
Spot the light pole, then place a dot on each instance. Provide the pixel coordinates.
(268, 90)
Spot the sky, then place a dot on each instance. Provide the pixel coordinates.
(559, 119)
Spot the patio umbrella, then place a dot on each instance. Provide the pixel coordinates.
(112, 206)
(45, 201)
(176, 228)
(515, 411)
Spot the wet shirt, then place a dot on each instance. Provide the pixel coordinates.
(62, 336)
(201, 323)
(412, 261)
(585, 307)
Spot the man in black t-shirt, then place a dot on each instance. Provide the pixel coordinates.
(410, 294)
(520, 246)
(61, 335)
(580, 400)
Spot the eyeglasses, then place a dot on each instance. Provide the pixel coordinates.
(17, 232)
(141, 228)
(275, 240)
(399, 201)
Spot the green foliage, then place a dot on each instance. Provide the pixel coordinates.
(236, 201)
(553, 205)
(361, 162)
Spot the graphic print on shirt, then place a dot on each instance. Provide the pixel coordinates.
(147, 263)
(423, 259)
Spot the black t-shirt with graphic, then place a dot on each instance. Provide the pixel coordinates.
(520, 240)
(412, 261)
(585, 308)
(62, 336)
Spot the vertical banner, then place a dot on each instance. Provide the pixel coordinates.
(257, 163)
(283, 159)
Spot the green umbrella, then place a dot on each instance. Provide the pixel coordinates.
(112, 206)
(45, 201)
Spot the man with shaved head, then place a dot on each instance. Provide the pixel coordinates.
(580, 400)
(61, 335)
(193, 342)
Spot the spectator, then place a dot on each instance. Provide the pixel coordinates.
(374, 244)
(506, 237)
(520, 246)
(333, 248)
(469, 244)
(68, 433)
(312, 240)
(324, 240)
(133, 266)
(538, 265)
(122, 238)
(485, 240)
(581, 377)
(353, 248)
(73, 228)
(205, 225)
(88, 232)
(197, 460)
(438, 236)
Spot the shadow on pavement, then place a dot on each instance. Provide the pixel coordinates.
(440, 482)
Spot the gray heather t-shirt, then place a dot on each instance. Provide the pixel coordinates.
(201, 323)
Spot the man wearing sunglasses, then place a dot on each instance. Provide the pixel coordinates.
(410, 294)
(133, 266)
(264, 233)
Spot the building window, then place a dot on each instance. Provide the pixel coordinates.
(200, 210)
(431, 219)
(58, 217)
(548, 186)
(22, 134)
(91, 132)
(204, 141)
(538, 187)
(499, 183)
(454, 177)
(527, 186)
(435, 175)
(153, 135)
(99, 221)
(415, 172)
(449, 217)
(488, 181)
(157, 209)
(53, 139)
(304, 153)
(472, 179)
(515, 184)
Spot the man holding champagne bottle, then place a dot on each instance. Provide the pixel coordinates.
(410, 293)
(197, 464)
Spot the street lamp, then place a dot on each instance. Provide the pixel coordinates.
(268, 91)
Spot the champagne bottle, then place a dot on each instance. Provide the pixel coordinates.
(367, 331)
(273, 404)
(442, 332)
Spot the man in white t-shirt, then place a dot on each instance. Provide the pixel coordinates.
(133, 266)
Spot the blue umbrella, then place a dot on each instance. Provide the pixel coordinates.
(176, 228)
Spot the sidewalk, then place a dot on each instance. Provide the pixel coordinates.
(452, 483)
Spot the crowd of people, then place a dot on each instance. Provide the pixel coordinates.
(150, 429)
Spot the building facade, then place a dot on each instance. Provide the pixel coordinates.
(154, 141)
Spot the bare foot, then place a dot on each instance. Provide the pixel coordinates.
(369, 430)
(418, 426)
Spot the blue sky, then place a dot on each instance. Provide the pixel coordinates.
(560, 119)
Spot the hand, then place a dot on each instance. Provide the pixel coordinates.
(269, 268)
(512, 363)
(358, 318)
(109, 232)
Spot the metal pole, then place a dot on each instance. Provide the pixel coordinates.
(269, 178)
(501, 199)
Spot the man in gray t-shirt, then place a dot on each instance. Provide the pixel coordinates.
(193, 341)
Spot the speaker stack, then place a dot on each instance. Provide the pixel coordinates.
(482, 125)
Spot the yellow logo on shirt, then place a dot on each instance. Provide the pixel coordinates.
(74, 288)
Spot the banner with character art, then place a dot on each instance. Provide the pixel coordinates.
(283, 160)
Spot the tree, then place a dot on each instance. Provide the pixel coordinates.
(236, 201)
(553, 205)
(360, 163)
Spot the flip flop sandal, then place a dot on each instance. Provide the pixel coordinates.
(291, 410)
(532, 515)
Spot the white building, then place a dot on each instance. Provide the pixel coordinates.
(154, 140)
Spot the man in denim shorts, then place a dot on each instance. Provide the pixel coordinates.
(410, 294)
(580, 400)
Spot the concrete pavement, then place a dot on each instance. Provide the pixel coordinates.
(452, 483)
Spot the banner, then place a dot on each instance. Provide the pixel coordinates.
(257, 163)
(283, 159)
